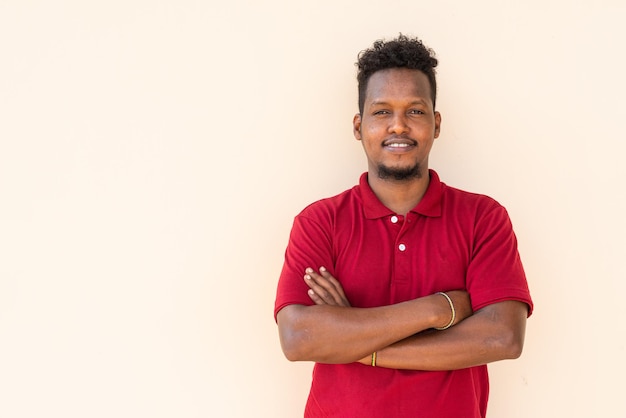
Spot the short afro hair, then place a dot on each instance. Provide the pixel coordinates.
(402, 52)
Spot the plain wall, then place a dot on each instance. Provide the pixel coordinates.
(153, 155)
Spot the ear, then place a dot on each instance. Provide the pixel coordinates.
(356, 126)
(437, 124)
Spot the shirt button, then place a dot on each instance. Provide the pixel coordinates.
(394, 219)
(402, 247)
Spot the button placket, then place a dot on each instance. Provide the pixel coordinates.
(401, 268)
(395, 219)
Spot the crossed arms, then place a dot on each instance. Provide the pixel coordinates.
(332, 331)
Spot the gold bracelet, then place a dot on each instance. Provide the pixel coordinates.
(374, 359)
(453, 312)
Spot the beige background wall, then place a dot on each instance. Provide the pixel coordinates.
(153, 155)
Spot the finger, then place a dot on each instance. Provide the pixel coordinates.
(315, 298)
(327, 289)
(326, 275)
(336, 285)
(313, 280)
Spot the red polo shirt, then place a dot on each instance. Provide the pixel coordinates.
(451, 240)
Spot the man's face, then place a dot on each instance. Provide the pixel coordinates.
(398, 124)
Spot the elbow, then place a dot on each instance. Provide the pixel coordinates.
(510, 345)
(514, 350)
(517, 346)
(293, 335)
(293, 356)
(289, 355)
(291, 346)
(506, 322)
(515, 340)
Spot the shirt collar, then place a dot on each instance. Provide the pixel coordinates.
(430, 205)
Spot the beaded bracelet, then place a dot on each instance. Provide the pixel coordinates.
(453, 312)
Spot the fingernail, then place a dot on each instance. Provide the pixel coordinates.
(308, 270)
(311, 292)
(306, 276)
(322, 268)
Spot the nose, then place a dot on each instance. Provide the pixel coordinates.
(398, 124)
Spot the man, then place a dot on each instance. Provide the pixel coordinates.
(402, 288)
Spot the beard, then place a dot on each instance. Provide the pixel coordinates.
(399, 173)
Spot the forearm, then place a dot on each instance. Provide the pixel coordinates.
(492, 334)
(336, 334)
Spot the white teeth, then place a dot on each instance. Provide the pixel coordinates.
(398, 145)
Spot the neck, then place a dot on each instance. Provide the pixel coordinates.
(399, 196)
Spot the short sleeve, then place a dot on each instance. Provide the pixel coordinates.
(310, 245)
(495, 272)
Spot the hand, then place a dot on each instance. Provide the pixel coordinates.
(324, 288)
(462, 306)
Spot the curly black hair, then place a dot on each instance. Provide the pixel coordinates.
(402, 52)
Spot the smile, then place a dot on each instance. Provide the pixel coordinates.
(399, 145)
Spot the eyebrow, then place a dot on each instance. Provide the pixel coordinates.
(385, 103)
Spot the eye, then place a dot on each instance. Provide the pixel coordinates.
(416, 112)
(381, 112)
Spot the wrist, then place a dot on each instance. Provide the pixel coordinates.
(448, 311)
(439, 311)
